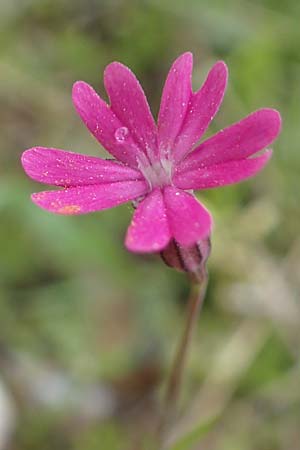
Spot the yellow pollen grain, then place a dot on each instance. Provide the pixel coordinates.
(69, 209)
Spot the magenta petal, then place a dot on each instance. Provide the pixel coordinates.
(130, 105)
(86, 199)
(149, 230)
(189, 220)
(103, 124)
(174, 102)
(221, 174)
(238, 141)
(62, 168)
(203, 106)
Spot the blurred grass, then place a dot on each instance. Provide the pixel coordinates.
(72, 298)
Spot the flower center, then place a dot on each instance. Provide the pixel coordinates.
(158, 173)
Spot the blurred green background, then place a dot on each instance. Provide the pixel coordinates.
(87, 330)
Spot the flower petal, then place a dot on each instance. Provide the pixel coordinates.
(86, 199)
(189, 220)
(103, 124)
(238, 141)
(221, 174)
(149, 230)
(62, 168)
(202, 108)
(174, 102)
(130, 105)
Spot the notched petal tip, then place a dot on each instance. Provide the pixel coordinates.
(203, 106)
(175, 101)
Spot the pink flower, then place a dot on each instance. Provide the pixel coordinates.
(154, 165)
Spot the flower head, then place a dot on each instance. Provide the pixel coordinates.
(157, 165)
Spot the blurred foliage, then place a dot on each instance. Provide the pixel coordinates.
(85, 324)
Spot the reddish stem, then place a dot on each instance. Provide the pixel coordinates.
(195, 301)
